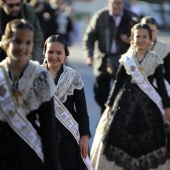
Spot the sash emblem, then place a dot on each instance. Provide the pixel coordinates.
(2, 91)
(132, 68)
(59, 110)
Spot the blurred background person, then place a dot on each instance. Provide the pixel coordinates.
(136, 7)
(105, 39)
(63, 19)
(46, 16)
(16, 9)
(160, 47)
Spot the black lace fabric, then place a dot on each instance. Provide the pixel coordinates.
(9, 158)
(131, 137)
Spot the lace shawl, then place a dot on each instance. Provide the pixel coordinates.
(150, 62)
(36, 86)
(68, 81)
(161, 49)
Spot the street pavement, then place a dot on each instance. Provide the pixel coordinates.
(76, 61)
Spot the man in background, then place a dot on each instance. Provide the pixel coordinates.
(105, 39)
(17, 9)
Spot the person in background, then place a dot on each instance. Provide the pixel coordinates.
(64, 22)
(105, 39)
(73, 120)
(137, 8)
(159, 46)
(17, 9)
(134, 131)
(27, 127)
(46, 17)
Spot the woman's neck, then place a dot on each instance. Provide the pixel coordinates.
(54, 71)
(140, 54)
(15, 67)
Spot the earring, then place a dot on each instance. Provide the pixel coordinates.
(45, 62)
(65, 61)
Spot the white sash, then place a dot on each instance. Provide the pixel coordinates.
(142, 81)
(69, 122)
(15, 119)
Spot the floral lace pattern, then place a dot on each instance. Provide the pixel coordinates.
(68, 81)
(36, 86)
(161, 49)
(151, 160)
(130, 140)
(150, 62)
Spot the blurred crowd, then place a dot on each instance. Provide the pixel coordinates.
(43, 110)
(49, 17)
(58, 17)
(55, 17)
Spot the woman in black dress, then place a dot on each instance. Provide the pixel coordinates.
(74, 122)
(134, 131)
(160, 47)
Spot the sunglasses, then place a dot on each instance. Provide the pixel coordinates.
(12, 5)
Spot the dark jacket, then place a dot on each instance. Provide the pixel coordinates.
(28, 13)
(95, 37)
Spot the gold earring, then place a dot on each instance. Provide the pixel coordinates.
(45, 63)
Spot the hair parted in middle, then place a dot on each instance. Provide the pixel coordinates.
(12, 27)
(149, 20)
(56, 38)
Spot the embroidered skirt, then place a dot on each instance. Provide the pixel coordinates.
(134, 137)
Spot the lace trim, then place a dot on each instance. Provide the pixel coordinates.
(67, 83)
(161, 49)
(151, 160)
(40, 87)
(149, 63)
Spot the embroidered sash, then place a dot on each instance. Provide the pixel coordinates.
(69, 122)
(142, 81)
(15, 118)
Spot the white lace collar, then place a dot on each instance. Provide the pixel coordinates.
(161, 48)
(149, 63)
(36, 86)
(68, 81)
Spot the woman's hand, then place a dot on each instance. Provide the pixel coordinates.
(89, 61)
(167, 113)
(125, 38)
(84, 146)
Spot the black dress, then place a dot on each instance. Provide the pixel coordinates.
(167, 68)
(137, 130)
(15, 154)
(69, 154)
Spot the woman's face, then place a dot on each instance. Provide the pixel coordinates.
(21, 44)
(55, 54)
(154, 31)
(141, 39)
